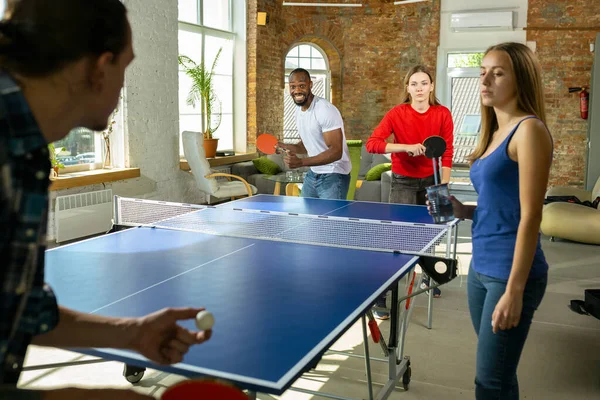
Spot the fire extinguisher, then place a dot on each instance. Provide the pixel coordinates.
(584, 99)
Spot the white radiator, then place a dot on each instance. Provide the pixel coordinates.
(83, 214)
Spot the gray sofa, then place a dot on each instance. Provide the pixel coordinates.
(378, 191)
(248, 171)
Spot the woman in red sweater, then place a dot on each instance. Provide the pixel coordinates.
(418, 117)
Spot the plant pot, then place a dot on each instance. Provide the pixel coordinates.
(210, 147)
(56, 170)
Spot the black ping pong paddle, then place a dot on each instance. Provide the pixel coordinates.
(435, 146)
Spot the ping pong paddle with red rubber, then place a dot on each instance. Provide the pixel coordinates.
(373, 327)
(410, 290)
(435, 146)
(267, 143)
(375, 333)
(203, 389)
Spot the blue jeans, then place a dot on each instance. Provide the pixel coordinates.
(498, 354)
(326, 186)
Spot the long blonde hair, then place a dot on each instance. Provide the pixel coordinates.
(406, 98)
(530, 93)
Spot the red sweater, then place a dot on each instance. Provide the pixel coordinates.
(411, 127)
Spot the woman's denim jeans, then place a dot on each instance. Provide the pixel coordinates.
(498, 354)
(326, 186)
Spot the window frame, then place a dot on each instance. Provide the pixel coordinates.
(230, 35)
(117, 145)
(443, 87)
(312, 72)
(326, 72)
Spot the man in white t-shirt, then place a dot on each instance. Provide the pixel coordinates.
(322, 138)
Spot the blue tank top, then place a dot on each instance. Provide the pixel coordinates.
(498, 213)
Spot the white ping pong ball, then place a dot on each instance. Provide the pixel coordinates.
(205, 320)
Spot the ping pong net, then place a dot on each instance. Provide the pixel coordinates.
(322, 230)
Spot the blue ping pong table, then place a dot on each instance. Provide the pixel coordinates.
(285, 277)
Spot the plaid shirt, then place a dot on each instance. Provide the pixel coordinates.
(27, 306)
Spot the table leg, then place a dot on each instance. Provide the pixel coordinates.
(277, 188)
(367, 358)
(430, 305)
(291, 189)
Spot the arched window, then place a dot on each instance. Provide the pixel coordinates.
(313, 59)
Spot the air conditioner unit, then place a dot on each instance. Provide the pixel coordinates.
(481, 21)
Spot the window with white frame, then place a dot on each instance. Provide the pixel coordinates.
(84, 149)
(463, 89)
(205, 27)
(313, 59)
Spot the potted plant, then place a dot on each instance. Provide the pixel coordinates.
(202, 91)
(56, 165)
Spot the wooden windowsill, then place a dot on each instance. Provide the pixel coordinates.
(220, 161)
(93, 177)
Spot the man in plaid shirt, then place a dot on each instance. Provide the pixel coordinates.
(27, 306)
(57, 74)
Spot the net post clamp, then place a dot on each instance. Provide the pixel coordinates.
(440, 269)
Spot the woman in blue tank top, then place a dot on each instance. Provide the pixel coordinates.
(509, 170)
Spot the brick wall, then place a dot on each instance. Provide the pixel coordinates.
(563, 31)
(369, 48)
(264, 69)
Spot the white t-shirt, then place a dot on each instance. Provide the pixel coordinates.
(322, 116)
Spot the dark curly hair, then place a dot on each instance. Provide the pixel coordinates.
(39, 37)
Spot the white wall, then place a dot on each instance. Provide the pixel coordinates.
(151, 112)
(480, 40)
(151, 95)
(474, 41)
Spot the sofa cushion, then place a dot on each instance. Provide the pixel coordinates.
(368, 161)
(266, 166)
(278, 159)
(369, 191)
(243, 169)
(386, 186)
(374, 173)
(264, 186)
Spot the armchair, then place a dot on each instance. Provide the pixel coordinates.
(205, 178)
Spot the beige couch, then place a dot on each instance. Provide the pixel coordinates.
(572, 221)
